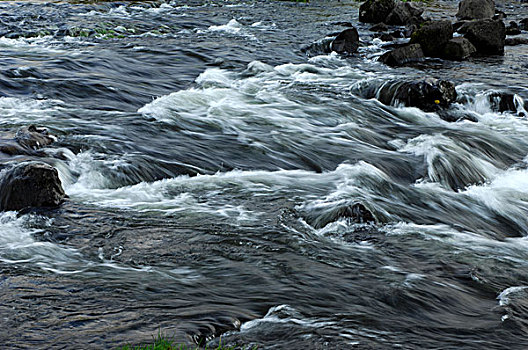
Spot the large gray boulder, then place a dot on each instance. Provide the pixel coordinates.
(476, 9)
(458, 49)
(30, 185)
(432, 37)
(375, 11)
(488, 36)
(403, 55)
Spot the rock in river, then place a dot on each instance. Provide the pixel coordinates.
(403, 55)
(33, 137)
(30, 185)
(26, 141)
(488, 36)
(476, 9)
(346, 42)
(432, 37)
(429, 94)
(458, 49)
(375, 11)
(404, 13)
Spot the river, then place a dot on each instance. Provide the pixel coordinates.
(206, 157)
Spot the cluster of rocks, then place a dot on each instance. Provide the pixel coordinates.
(26, 183)
(479, 31)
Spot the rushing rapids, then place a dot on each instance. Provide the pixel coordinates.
(224, 181)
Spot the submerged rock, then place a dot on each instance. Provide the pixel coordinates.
(505, 102)
(476, 9)
(380, 27)
(515, 41)
(33, 137)
(356, 213)
(432, 37)
(27, 141)
(523, 24)
(450, 115)
(375, 11)
(319, 47)
(30, 185)
(458, 49)
(488, 36)
(513, 29)
(402, 55)
(346, 42)
(386, 37)
(429, 94)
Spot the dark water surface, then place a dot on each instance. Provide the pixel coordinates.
(206, 159)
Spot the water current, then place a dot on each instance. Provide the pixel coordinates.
(207, 157)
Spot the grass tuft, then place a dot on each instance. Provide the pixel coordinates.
(161, 342)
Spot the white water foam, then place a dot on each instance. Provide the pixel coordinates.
(232, 27)
(441, 152)
(18, 245)
(26, 110)
(510, 293)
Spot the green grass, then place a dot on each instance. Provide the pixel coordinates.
(161, 342)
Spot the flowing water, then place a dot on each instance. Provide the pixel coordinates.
(207, 157)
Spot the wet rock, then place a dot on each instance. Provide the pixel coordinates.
(432, 37)
(452, 116)
(375, 11)
(356, 213)
(347, 42)
(458, 49)
(404, 13)
(397, 34)
(27, 141)
(319, 47)
(403, 55)
(523, 24)
(380, 27)
(487, 36)
(505, 102)
(515, 41)
(386, 37)
(30, 185)
(342, 24)
(33, 137)
(499, 15)
(429, 94)
(513, 29)
(461, 26)
(476, 9)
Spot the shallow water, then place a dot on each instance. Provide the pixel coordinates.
(205, 156)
